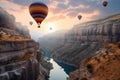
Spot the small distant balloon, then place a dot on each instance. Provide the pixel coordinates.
(30, 22)
(79, 17)
(105, 3)
(50, 28)
(38, 11)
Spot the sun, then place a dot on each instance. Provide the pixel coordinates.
(50, 27)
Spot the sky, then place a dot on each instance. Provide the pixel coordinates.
(62, 14)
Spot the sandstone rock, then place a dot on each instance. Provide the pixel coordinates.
(103, 66)
(19, 59)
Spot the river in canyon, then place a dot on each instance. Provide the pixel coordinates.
(60, 70)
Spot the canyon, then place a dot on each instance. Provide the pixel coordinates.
(84, 41)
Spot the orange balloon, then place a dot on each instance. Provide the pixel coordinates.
(38, 11)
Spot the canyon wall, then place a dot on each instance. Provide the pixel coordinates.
(103, 66)
(21, 60)
(84, 39)
(103, 30)
(20, 57)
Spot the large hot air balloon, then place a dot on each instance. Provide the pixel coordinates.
(79, 17)
(38, 11)
(105, 3)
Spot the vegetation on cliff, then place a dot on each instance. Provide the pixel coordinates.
(103, 66)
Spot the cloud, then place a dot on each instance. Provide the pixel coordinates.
(62, 12)
(91, 16)
(10, 6)
(7, 22)
(28, 2)
(57, 17)
(72, 7)
(62, 6)
(84, 6)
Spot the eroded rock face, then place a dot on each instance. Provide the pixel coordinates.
(20, 58)
(21, 61)
(103, 66)
(105, 30)
(83, 40)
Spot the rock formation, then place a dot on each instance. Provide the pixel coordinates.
(20, 60)
(20, 57)
(96, 60)
(85, 46)
(103, 66)
(103, 30)
(85, 39)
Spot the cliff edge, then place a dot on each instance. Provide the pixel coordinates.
(103, 66)
(20, 57)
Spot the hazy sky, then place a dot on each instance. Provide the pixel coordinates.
(62, 13)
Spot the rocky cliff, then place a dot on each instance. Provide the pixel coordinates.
(103, 30)
(89, 47)
(20, 60)
(20, 57)
(85, 39)
(103, 66)
(85, 47)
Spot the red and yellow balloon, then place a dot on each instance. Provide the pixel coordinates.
(105, 3)
(38, 11)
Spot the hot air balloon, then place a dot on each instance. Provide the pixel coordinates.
(38, 11)
(50, 28)
(79, 17)
(105, 3)
(30, 22)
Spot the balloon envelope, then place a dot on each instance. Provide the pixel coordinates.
(79, 17)
(30, 22)
(50, 28)
(38, 11)
(105, 3)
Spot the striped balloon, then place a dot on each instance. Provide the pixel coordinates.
(38, 11)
